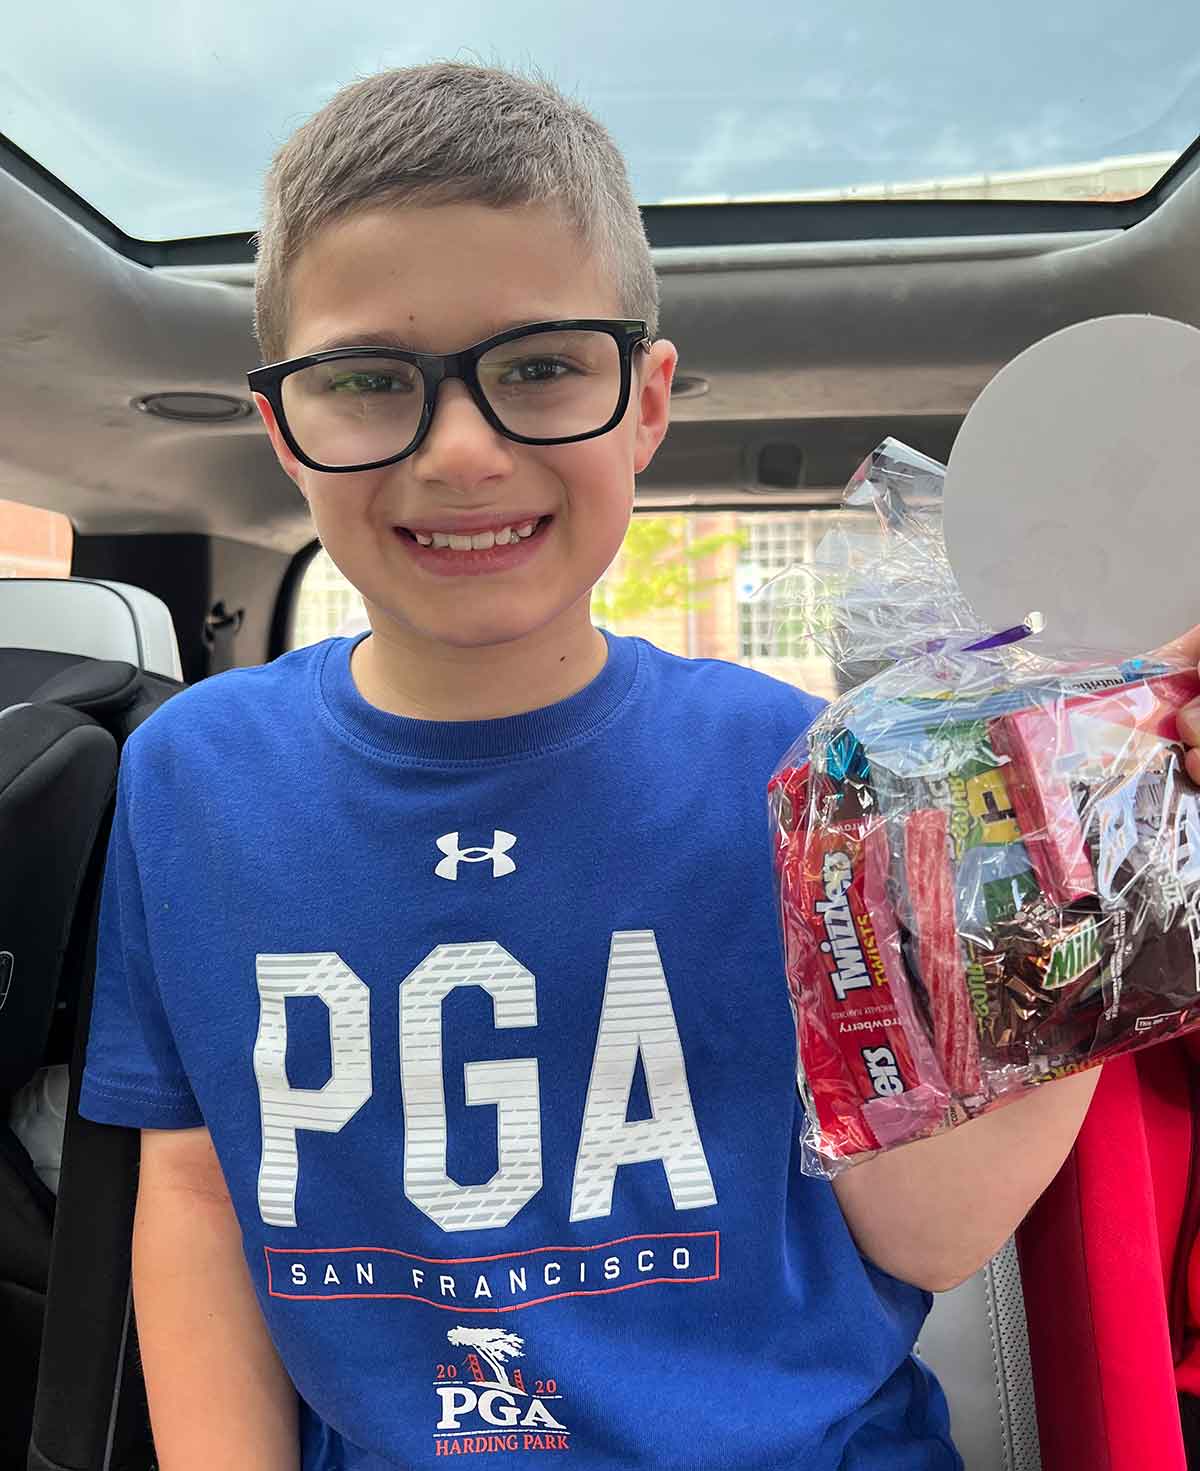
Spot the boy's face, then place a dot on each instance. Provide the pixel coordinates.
(437, 280)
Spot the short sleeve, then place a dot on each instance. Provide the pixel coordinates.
(794, 740)
(133, 1074)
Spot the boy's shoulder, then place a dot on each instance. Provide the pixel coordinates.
(229, 703)
(718, 688)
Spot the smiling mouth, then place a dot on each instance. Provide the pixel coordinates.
(478, 541)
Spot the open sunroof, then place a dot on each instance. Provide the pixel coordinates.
(164, 119)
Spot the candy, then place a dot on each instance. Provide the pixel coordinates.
(857, 1056)
(999, 851)
(927, 853)
(1042, 802)
(986, 903)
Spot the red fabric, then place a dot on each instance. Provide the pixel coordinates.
(1166, 1099)
(1187, 1371)
(1095, 1293)
(1187, 1368)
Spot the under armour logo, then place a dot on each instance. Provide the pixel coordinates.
(501, 864)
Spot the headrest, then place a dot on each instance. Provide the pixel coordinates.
(103, 688)
(95, 619)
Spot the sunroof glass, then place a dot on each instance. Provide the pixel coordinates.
(164, 119)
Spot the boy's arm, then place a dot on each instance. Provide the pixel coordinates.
(933, 1212)
(218, 1394)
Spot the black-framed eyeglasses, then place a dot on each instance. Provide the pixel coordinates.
(359, 408)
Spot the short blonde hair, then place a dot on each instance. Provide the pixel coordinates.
(450, 133)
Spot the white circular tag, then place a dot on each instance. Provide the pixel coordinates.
(1073, 488)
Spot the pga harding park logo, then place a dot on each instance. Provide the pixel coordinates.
(485, 1408)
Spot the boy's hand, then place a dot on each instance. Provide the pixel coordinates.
(1188, 648)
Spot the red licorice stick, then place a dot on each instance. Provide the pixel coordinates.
(930, 881)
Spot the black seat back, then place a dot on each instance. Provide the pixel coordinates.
(57, 775)
(58, 771)
(64, 1265)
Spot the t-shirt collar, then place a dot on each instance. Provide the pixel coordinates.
(472, 740)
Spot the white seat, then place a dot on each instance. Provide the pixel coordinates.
(93, 618)
(976, 1341)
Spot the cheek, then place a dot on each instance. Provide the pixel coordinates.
(340, 506)
(599, 504)
(598, 477)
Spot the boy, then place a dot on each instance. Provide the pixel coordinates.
(465, 1068)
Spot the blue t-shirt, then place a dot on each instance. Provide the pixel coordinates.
(488, 1024)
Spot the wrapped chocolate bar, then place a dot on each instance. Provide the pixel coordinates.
(988, 860)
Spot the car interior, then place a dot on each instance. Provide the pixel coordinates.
(811, 324)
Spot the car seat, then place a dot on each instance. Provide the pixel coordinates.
(82, 663)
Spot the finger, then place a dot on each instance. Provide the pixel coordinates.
(1192, 762)
(1188, 721)
(1185, 648)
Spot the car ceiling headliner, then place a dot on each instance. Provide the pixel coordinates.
(826, 347)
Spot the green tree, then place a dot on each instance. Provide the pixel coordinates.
(658, 568)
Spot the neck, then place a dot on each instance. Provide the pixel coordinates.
(406, 675)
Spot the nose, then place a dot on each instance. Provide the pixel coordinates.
(461, 449)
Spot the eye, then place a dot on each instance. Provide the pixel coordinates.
(363, 384)
(536, 370)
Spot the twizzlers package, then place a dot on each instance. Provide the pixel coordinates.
(865, 1076)
(988, 864)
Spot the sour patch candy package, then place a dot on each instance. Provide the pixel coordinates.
(988, 861)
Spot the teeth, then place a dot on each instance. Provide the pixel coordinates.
(481, 541)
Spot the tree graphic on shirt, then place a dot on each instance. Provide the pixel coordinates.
(494, 1345)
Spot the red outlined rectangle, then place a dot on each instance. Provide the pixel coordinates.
(316, 1274)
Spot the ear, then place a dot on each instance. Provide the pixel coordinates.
(292, 467)
(653, 387)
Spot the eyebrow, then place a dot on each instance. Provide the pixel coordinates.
(363, 339)
(393, 339)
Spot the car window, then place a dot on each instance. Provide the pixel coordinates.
(34, 542)
(693, 582)
(326, 605)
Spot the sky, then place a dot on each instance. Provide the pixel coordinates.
(165, 117)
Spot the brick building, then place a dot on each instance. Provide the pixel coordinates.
(33, 542)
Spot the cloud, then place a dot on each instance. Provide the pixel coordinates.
(165, 117)
(739, 144)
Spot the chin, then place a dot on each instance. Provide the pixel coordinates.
(483, 633)
(482, 628)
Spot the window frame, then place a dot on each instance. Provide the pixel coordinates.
(675, 225)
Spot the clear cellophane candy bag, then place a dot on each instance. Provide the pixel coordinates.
(988, 861)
